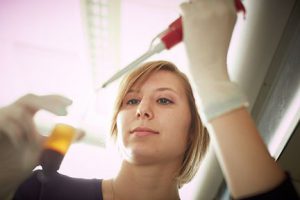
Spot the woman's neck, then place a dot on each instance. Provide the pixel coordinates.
(145, 182)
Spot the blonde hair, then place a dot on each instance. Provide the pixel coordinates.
(198, 137)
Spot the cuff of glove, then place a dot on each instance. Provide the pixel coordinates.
(220, 98)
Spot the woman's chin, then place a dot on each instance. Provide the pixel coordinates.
(141, 154)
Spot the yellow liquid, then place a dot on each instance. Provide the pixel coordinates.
(60, 138)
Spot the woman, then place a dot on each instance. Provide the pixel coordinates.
(158, 131)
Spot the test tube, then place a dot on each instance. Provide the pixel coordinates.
(55, 147)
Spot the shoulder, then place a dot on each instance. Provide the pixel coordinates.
(58, 186)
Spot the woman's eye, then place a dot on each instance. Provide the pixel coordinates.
(164, 101)
(133, 102)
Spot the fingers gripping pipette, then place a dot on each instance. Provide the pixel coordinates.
(165, 40)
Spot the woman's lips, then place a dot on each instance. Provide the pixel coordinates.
(143, 131)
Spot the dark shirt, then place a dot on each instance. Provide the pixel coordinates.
(61, 187)
(284, 191)
(58, 187)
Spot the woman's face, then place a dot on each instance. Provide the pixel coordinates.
(154, 120)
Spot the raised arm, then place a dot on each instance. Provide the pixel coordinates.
(246, 163)
(244, 158)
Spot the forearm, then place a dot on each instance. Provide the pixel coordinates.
(243, 156)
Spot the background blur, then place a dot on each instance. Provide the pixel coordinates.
(71, 47)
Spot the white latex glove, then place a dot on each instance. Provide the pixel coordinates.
(207, 29)
(20, 143)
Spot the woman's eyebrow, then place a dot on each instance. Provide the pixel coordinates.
(156, 90)
(133, 91)
(167, 89)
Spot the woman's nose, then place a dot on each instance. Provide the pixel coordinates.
(144, 110)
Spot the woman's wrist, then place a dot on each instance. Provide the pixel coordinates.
(217, 98)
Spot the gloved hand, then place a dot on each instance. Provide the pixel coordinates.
(20, 143)
(207, 30)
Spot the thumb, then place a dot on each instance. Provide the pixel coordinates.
(80, 133)
(185, 7)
